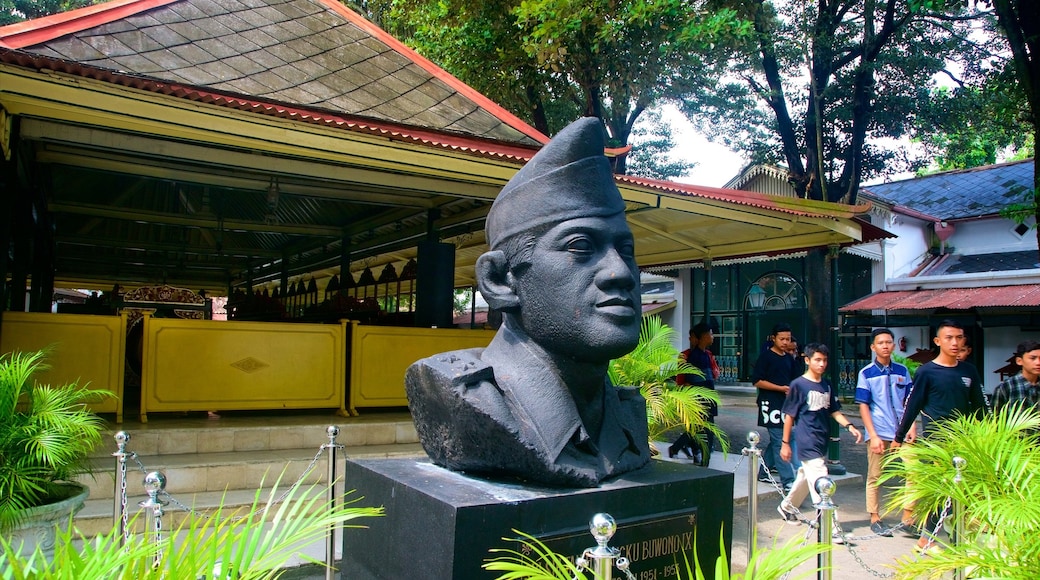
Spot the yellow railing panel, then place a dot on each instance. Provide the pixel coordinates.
(86, 349)
(205, 365)
(380, 355)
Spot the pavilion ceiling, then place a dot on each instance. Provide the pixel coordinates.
(145, 188)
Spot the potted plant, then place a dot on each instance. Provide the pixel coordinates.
(46, 434)
(652, 367)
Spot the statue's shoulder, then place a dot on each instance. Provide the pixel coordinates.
(627, 394)
(455, 368)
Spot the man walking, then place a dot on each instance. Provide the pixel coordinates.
(881, 389)
(1023, 388)
(943, 389)
(772, 375)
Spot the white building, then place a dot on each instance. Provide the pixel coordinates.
(954, 257)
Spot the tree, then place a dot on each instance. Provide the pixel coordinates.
(652, 148)
(971, 126)
(550, 61)
(1020, 22)
(820, 85)
(12, 11)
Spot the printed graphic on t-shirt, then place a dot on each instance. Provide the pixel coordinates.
(817, 401)
(770, 416)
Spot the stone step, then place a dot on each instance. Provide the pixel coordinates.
(256, 434)
(202, 480)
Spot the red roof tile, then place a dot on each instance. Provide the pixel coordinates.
(1024, 295)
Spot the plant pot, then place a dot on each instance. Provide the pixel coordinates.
(38, 525)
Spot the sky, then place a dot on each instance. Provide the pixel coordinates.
(716, 164)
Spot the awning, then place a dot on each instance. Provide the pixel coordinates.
(1023, 295)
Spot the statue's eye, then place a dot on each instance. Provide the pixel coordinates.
(580, 245)
(627, 249)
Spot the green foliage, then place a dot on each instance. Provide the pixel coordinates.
(535, 561)
(652, 147)
(550, 61)
(972, 126)
(12, 11)
(240, 546)
(911, 365)
(652, 367)
(821, 84)
(46, 434)
(999, 492)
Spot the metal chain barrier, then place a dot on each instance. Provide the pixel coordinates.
(155, 486)
(120, 514)
(261, 511)
(155, 483)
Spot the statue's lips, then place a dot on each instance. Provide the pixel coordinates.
(617, 306)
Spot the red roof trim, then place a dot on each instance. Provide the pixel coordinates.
(50, 27)
(752, 198)
(1021, 296)
(445, 77)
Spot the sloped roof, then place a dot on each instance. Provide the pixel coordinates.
(1023, 295)
(996, 262)
(964, 193)
(312, 53)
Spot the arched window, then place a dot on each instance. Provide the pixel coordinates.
(775, 291)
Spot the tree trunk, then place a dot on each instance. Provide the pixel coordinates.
(819, 300)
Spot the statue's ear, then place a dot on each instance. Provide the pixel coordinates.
(495, 281)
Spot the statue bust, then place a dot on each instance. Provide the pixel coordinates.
(536, 404)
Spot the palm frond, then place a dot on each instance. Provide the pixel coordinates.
(998, 487)
(242, 547)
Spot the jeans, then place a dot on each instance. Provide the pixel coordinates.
(772, 455)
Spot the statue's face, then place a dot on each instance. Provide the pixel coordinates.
(579, 292)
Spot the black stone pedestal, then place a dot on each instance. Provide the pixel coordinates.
(440, 524)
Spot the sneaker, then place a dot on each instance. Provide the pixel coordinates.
(837, 538)
(881, 529)
(909, 530)
(764, 478)
(789, 517)
(787, 489)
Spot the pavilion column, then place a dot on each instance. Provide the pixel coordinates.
(344, 262)
(7, 215)
(21, 238)
(834, 466)
(707, 293)
(435, 278)
(42, 281)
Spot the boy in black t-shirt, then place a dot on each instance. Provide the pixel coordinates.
(809, 406)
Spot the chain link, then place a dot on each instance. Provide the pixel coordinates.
(260, 512)
(122, 500)
(855, 556)
(157, 512)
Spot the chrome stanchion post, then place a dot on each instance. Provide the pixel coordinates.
(154, 484)
(755, 454)
(958, 512)
(602, 526)
(330, 541)
(825, 487)
(119, 514)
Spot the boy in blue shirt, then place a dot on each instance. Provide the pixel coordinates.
(808, 409)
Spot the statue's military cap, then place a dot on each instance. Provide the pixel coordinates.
(568, 178)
